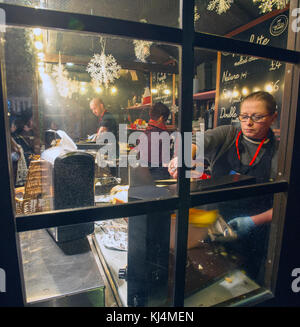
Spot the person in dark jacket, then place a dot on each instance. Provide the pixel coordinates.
(25, 135)
(159, 114)
(107, 121)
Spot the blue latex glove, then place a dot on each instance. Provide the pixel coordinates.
(242, 226)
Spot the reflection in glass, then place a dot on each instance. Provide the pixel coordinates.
(227, 251)
(126, 261)
(165, 13)
(261, 22)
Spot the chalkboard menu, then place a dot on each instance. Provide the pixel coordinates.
(162, 84)
(241, 75)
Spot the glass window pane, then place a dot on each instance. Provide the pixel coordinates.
(261, 22)
(119, 262)
(88, 100)
(227, 252)
(237, 116)
(165, 13)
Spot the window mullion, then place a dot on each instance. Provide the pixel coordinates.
(185, 121)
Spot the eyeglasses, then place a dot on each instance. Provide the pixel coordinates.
(254, 118)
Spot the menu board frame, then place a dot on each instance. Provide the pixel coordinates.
(239, 75)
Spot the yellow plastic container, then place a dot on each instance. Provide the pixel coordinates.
(199, 222)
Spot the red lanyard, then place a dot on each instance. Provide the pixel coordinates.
(100, 119)
(256, 153)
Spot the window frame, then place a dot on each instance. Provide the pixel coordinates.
(187, 39)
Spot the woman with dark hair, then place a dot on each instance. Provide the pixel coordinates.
(159, 114)
(249, 150)
(25, 136)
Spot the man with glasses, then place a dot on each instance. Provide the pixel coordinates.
(249, 150)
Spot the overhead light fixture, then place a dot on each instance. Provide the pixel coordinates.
(113, 90)
(82, 90)
(235, 93)
(38, 45)
(269, 88)
(154, 91)
(245, 91)
(41, 70)
(37, 31)
(41, 55)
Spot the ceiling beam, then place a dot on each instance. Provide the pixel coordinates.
(131, 65)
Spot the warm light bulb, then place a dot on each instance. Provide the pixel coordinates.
(154, 91)
(236, 93)
(245, 91)
(269, 88)
(37, 31)
(41, 55)
(228, 94)
(38, 45)
(98, 89)
(113, 90)
(167, 91)
(42, 70)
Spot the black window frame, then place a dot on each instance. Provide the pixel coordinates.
(187, 39)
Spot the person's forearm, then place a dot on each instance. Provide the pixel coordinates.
(262, 218)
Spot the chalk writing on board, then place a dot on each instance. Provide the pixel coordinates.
(162, 84)
(259, 39)
(228, 77)
(242, 74)
(274, 65)
(244, 60)
(231, 113)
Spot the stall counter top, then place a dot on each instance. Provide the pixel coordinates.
(53, 271)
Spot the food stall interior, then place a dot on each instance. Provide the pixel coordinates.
(133, 254)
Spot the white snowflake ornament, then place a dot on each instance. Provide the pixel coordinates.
(103, 69)
(220, 6)
(142, 49)
(269, 5)
(65, 86)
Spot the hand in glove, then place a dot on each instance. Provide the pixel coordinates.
(242, 226)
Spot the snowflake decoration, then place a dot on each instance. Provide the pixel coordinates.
(196, 14)
(268, 5)
(142, 49)
(174, 109)
(65, 86)
(221, 6)
(103, 69)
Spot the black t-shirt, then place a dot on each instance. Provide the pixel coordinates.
(109, 122)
